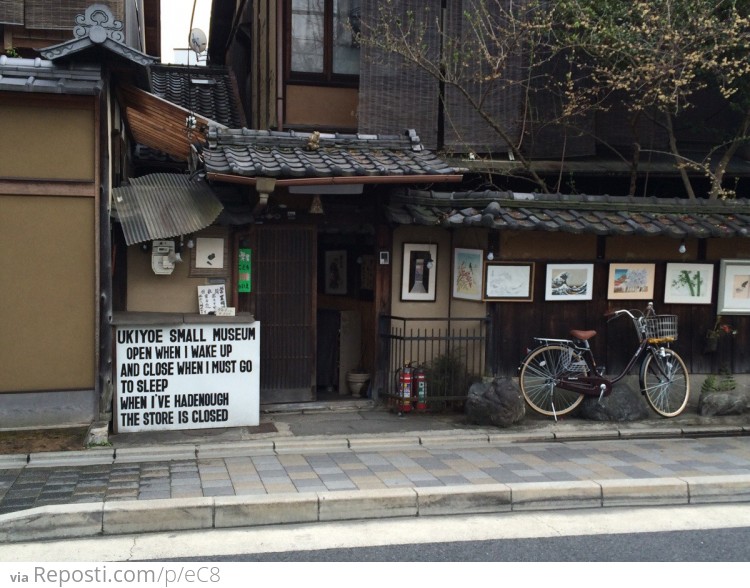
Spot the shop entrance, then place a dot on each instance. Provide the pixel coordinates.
(282, 298)
(313, 295)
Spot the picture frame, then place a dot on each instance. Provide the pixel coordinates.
(569, 281)
(467, 273)
(734, 287)
(335, 272)
(631, 281)
(509, 281)
(210, 255)
(689, 283)
(418, 272)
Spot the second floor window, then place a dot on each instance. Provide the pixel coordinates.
(322, 45)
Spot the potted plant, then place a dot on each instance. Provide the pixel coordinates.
(711, 343)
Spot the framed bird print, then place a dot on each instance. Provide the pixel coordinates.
(734, 287)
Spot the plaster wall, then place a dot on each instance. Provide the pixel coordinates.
(176, 292)
(47, 318)
(45, 140)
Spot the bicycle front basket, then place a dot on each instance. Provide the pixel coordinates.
(661, 328)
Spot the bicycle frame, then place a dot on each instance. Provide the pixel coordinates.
(557, 374)
(594, 384)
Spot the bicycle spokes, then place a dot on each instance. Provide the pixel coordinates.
(665, 382)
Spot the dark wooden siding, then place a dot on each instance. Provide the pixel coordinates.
(515, 324)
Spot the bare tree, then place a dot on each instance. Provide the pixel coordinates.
(568, 59)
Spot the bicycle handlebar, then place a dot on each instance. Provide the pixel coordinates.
(615, 313)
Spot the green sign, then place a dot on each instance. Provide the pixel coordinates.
(243, 280)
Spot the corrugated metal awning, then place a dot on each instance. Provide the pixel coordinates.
(160, 206)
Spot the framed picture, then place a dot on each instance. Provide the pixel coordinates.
(335, 272)
(631, 281)
(467, 274)
(509, 281)
(569, 281)
(210, 257)
(689, 283)
(734, 287)
(418, 272)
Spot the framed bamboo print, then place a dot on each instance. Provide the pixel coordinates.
(418, 272)
(335, 272)
(467, 274)
(689, 283)
(509, 281)
(569, 281)
(734, 287)
(631, 281)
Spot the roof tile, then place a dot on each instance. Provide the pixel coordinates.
(601, 215)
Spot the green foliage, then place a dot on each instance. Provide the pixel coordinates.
(448, 377)
(723, 382)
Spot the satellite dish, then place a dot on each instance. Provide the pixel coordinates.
(198, 41)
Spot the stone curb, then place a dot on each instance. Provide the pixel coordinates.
(180, 514)
(337, 443)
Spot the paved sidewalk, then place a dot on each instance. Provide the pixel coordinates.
(368, 462)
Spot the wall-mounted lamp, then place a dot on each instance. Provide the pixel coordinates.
(316, 207)
(490, 256)
(682, 248)
(429, 263)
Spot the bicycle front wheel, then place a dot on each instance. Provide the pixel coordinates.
(540, 372)
(665, 382)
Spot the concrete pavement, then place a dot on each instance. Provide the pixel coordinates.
(354, 460)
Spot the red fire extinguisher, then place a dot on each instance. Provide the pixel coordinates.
(420, 383)
(405, 381)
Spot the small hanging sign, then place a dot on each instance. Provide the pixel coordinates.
(243, 280)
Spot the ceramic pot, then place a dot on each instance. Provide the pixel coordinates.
(356, 382)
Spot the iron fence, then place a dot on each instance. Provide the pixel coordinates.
(451, 351)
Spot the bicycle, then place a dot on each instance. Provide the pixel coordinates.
(557, 375)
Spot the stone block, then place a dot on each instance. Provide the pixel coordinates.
(367, 504)
(145, 516)
(52, 522)
(555, 495)
(450, 500)
(644, 492)
(250, 511)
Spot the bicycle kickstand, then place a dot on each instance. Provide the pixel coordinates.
(602, 390)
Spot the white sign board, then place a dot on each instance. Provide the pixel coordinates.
(194, 376)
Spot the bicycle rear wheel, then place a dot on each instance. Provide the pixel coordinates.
(665, 382)
(540, 372)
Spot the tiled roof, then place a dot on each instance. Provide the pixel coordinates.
(600, 215)
(274, 154)
(209, 91)
(41, 75)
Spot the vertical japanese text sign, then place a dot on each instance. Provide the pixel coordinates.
(243, 280)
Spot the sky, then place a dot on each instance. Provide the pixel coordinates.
(175, 26)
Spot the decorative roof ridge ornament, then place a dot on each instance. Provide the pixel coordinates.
(97, 27)
(98, 24)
